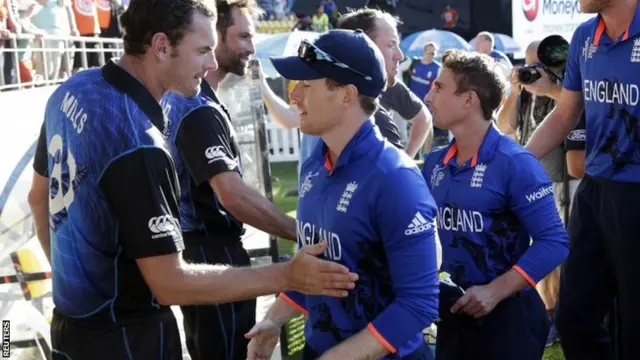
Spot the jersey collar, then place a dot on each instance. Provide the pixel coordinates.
(484, 154)
(120, 79)
(632, 30)
(207, 90)
(361, 143)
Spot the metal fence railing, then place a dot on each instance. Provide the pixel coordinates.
(39, 51)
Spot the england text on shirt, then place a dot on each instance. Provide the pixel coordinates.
(490, 207)
(607, 72)
(374, 210)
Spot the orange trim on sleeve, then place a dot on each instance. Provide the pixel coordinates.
(524, 275)
(380, 338)
(293, 304)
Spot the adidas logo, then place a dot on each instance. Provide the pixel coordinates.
(418, 225)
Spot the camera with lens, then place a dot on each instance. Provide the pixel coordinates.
(553, 52)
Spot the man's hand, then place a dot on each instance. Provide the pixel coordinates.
(516, 85)
(308, 274)
(264, 338)
(543, 86)
(478, 301)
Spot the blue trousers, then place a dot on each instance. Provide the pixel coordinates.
(516, 329)
(603, 264)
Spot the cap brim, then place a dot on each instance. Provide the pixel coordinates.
(294, 68)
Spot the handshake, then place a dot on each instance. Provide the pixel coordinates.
(308, 273)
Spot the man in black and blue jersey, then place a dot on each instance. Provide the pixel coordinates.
(603, 78)
(215, 201)
(105, 182)
(493, 196)
(368, 201)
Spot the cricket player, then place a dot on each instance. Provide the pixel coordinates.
(367, 200)
(603, 78)
(105, 183)
(215, 201)
(493, 197)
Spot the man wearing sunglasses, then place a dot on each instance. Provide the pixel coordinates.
(367, 200)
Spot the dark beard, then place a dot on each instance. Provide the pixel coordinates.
(231, 64)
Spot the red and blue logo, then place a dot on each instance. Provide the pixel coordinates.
(530, 9)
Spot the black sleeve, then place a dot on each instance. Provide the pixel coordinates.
(204, 142)
(388, 128)
(400, 99)
(40, 163)
(577, 137)
(141, 188)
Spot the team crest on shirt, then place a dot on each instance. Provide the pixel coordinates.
(429, 74)
(478, 176)
(635, 51)
(307, 184)
(345, 199)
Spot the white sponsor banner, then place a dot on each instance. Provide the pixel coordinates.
(536, 19)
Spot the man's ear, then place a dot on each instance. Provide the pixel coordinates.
(160, 46)
(350, 94)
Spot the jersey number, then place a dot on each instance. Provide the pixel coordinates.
(60, 198)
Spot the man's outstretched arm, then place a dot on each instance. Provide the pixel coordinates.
(145, 205)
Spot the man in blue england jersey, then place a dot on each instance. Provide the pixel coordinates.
(215, 201)
(424, 71)
(106, 184)
(368, 202)
(603, 78)
(493, 196)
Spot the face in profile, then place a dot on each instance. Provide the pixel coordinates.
(388, 42)
(446, 106)
(236, 47)
(193, 57)
(317, 105)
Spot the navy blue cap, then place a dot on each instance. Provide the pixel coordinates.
(353, 60)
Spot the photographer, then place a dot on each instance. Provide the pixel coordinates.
(535, 89)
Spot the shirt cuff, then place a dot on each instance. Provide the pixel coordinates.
(294, 304)
(524, 275)
(381, 338)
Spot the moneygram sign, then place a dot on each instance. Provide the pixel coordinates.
(537, 19)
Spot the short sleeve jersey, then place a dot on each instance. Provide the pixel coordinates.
(203, 143)
(607, 73)
(577, 137)
(113, 192)
(422, 78)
